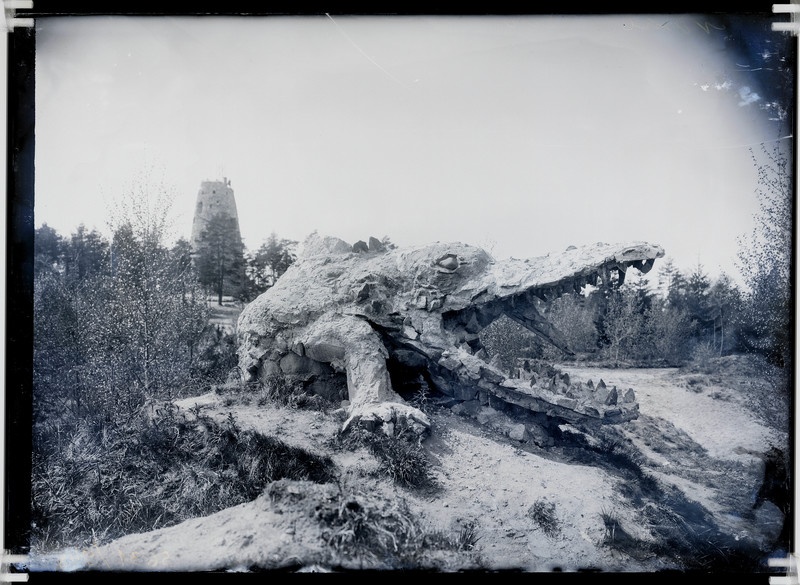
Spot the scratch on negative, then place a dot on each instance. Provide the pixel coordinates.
(367, 57)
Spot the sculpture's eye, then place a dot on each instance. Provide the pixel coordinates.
(448, 262)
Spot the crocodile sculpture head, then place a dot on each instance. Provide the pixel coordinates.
(368, 313)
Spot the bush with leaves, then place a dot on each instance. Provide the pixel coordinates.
(623, 326)
(505, 341)
(669, 331)
(574, 315)
(765, 259)
(116, 322)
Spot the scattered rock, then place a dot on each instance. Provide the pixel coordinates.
(517, 432)
(375, 245)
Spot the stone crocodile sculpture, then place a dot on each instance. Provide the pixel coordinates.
(378, 316)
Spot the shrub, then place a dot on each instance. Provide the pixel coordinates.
(467, 537)
(402, 457)
(282, 390)
(385, 534)
(669, 330)
(505, 340)
(544, 515)
(361, 530)
(703, 356)
(615, 535)
(573, 316)
(421, 399)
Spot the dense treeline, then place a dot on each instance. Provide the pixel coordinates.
(636, 325)
(116, 322)
(124, 319)
(225, 268)
(685, 316)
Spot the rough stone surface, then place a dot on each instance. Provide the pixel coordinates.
(214, 198)
(517, 432)
(420, 311)
(375, 245)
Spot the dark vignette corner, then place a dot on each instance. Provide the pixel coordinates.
(19, 289)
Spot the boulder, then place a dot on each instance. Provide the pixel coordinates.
(518, 432)
(375, 245)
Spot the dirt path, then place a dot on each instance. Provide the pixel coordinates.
(713, 417)
(703, 438)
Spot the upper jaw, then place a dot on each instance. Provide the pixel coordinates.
(555, 274)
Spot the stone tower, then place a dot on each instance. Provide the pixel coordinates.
(214, 198)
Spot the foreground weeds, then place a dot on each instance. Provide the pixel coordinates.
(100, 483)
(543, 513)
(402, 458)
(385, 534)
(358, 530)
(275, 390)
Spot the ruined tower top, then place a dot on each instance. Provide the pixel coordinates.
(214, 198)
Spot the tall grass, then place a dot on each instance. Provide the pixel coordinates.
(401, 458)
(100, 483)
(543, 513)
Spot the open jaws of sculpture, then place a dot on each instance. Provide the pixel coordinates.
(375, 314)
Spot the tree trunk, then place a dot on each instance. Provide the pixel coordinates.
(220, 281)
(714, 333)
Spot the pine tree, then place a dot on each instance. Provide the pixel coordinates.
(220, 257)
(48, 248)
(274, 257)
(85, 254)
(666, 274)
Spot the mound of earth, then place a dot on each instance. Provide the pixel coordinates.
(627, 498)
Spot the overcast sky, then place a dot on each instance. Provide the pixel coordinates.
(521, 134)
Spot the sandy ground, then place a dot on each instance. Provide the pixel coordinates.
(721, 426)
(705, 443)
